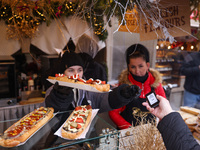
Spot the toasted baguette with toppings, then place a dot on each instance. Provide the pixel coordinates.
(20, 131)
(97, 84)
(77, 122)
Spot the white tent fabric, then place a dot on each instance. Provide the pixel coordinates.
(87, 45)
(7, 47)
(83, 35)
(54, 36)
(50, 37)
(57, 35)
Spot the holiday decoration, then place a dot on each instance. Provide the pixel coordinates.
(24, 16)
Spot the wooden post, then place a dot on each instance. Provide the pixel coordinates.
(25, 44)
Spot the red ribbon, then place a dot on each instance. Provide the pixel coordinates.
(59, 11)
(23, 7)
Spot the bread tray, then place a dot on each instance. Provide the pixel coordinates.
(77, 86)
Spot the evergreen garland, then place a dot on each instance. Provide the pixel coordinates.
(24, 16)
(32, 13)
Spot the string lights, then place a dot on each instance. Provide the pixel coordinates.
(24, 16)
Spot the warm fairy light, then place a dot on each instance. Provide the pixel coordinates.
(192, 47)
(182, 47)
(24, 16)
(157, 47)
(169, 47)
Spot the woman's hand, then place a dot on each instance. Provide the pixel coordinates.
(162, 110)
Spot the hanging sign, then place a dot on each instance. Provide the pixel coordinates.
(171, 17)
(131, 22)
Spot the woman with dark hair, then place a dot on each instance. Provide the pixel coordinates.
(138, 73)
(63, 98)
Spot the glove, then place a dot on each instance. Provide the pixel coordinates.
(62, 89)
(123, 95)
(132, 91)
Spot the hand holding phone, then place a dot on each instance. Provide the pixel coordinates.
(152, 100)
(163, 109)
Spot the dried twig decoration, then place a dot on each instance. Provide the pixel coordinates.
(145, 136)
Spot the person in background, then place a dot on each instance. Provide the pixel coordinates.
(93, 69)
(63, 98)
(191, 70)
(88, 48)
(54, 69)
(175, 133)
(138, 73)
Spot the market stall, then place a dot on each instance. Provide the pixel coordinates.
(50, 28)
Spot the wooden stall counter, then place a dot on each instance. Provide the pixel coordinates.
(32, 101)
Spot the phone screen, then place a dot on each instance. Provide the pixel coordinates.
(152, 100)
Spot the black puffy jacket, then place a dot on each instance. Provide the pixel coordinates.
(105, 101)
(176, 134)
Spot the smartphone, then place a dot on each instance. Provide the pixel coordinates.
(152, 100)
